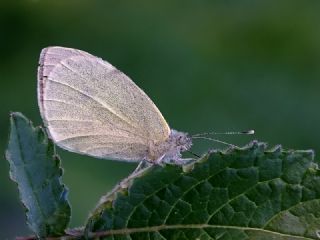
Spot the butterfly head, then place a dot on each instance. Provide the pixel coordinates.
(180, 140)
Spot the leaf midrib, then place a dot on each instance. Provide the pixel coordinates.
(34, 193)
(128, 231)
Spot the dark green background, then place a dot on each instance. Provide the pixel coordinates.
(208, 65)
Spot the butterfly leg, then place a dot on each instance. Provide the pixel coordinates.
(142, 165)
(178, 161)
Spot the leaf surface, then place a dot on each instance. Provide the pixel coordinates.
(35, 167)
(241, 193)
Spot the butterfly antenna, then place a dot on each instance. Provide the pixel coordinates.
(248, 132)
(214, 140)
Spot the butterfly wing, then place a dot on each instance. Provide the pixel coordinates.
(90, 107)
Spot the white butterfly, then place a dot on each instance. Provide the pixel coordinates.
(90, 107)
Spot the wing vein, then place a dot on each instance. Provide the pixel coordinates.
(123, 118)
(74, 120)
(97, 101)
(93, 135)
(78, 120)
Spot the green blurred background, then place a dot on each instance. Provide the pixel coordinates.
(208, 66)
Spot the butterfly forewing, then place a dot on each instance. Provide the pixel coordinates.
(90, 107)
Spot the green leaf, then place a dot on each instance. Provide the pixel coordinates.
(247, 193)
(35, 168)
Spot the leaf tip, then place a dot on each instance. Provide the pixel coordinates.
(15, 115)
